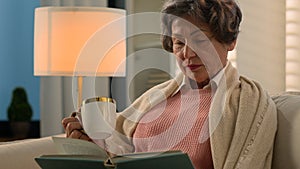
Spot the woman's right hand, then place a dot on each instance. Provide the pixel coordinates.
(73, 128)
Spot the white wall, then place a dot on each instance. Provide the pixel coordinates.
(261, 43)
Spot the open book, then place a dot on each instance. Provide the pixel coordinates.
(75, 153)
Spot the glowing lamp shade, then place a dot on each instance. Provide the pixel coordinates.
(79, 41)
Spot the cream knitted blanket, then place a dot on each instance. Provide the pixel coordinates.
(242, 121)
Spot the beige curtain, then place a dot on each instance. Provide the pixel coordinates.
(293, 45)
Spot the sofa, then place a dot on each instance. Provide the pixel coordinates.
(286, 147)
(20, 154)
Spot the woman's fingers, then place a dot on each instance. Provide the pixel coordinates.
(79, 135)
(72, 126)
(67, 120)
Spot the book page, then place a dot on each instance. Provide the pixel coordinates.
(78, 147)
(150, 154)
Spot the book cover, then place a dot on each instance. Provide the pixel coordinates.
(75, 153)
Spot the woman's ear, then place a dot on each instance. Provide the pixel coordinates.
(231, 46)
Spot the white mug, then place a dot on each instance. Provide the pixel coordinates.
(98, 117)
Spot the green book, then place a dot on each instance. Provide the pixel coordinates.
(87, 155)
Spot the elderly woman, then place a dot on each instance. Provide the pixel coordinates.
(219, 118)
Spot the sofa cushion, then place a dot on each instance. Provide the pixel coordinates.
(20, 154)
(286, 148)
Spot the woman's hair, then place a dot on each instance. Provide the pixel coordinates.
(222, 17)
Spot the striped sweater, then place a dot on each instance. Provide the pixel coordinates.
(179, 123)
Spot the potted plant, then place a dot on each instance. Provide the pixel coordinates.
(19, 113)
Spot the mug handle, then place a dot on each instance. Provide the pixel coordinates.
(77, 115)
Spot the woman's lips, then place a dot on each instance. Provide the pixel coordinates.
(194, 67)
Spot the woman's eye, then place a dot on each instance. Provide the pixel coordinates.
(178, 42)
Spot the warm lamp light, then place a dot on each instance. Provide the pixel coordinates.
(79, 41)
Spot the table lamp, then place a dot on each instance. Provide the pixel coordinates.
(79, 42)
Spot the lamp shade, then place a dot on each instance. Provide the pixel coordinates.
(79, 41)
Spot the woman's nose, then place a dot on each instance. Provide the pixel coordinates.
(188, 52)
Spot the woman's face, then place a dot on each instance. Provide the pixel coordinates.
(199, 55)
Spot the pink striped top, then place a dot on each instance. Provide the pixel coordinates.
(179, 123)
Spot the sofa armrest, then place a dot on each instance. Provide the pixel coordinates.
(21, 154)
(286, 148)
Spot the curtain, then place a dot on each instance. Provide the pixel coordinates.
(293, 45)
